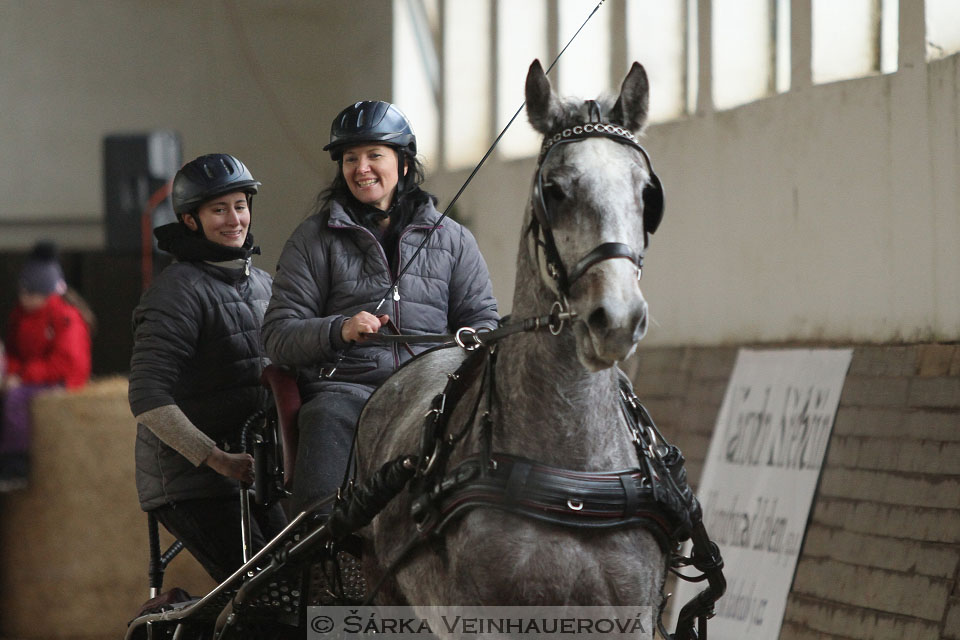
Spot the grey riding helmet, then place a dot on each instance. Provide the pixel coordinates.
(207, 177)
(368, 122)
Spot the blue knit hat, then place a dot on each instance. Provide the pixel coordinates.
(41, 273)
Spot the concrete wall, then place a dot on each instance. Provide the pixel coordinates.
(881, 558)
(261, 80)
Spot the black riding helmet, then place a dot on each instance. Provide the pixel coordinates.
(370, 122)
(207, 177)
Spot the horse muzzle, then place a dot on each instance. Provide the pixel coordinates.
(613, 315)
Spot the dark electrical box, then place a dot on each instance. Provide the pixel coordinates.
(135, 166)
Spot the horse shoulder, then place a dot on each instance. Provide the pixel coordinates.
(389, 425)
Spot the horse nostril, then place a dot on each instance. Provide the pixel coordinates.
(640, 329)
(598, 320)
(640, 326)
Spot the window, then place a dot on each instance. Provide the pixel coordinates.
(853, 38)
(416, 71)
(655, 38)
(584, 70)
(943, 28)
(743, 65)
(782, 43)
(459, 75)
(466, 99)
(889, 35)
(521, 37)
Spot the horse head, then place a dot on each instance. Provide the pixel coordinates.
(595, 200)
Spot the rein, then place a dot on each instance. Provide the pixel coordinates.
(470, 339)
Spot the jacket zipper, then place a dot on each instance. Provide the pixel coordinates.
(396, 287)
(396, 294)
(238, 285)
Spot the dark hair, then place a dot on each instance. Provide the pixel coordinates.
(338, 189)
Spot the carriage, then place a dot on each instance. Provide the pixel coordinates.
(509, 467)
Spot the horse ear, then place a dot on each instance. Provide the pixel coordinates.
(634, 101)
(543, 106)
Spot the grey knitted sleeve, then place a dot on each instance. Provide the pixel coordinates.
(176, 431)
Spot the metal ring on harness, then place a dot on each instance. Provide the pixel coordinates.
(431, 462)
(557, 318)
(458, 337)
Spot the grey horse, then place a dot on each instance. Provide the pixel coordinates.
(556, 397)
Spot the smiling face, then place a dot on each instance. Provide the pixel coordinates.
(224, 219)
(370, 171)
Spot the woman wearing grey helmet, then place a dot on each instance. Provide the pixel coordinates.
(353, 269)
(196, 365)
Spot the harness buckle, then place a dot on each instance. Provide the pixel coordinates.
(650, 445)
(553, 271)
(435, 410)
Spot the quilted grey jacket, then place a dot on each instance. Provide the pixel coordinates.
(196, 345)
(332, 268)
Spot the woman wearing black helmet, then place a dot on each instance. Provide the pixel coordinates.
(337, 283)
(194, 374)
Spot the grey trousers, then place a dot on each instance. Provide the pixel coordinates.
(327, 423)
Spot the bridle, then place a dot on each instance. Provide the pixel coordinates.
(541, 226)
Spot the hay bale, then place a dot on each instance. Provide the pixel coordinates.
(73, 546)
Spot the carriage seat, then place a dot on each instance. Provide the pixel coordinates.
(282, 383)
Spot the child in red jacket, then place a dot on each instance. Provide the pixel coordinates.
(47, 345)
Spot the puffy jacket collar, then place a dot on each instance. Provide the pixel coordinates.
(230, 270)
(188, 247)
(425, 215)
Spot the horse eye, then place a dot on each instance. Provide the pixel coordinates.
(554, 191)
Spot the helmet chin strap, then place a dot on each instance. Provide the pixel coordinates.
(401, 172)
(196, 220)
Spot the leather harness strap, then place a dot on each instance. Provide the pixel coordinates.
(581, 500)
(655, 494)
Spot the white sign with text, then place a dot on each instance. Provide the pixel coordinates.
(759, 478)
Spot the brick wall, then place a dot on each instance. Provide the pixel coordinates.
(882, 550)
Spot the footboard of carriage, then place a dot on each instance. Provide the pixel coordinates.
(312, 562)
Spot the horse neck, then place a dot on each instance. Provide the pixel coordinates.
(551, 407)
